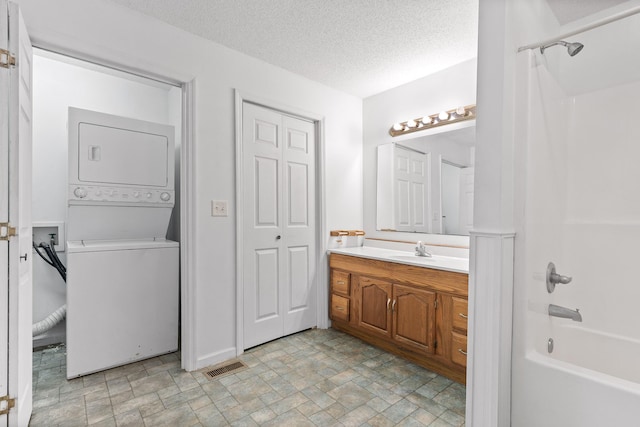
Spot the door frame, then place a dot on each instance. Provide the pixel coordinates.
(322, 294)
(187, 194)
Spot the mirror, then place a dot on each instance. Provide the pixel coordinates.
(425, 184)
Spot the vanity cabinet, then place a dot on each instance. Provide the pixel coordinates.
(416, 312)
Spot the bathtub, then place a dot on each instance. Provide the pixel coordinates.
(575, 386)
(616, 361)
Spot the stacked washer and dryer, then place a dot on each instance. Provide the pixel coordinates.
(122, 272)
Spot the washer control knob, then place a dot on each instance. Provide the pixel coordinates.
(98, 193)
(136, 194)
(164, 196)
(80, 192)
(148, 195)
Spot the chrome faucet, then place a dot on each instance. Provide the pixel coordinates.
(565, 313)
(421, 250)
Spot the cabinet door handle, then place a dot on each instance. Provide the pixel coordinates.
(462, 351)
(464, 316)
(393, 306)
(388, 303)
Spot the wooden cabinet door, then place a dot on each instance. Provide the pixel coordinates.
(414, 318)
(374, 302)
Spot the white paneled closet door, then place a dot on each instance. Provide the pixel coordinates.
(279, 224)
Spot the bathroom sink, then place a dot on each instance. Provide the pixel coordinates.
(413, 258)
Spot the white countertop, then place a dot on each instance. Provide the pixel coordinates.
(438, 262)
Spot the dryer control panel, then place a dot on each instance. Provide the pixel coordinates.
(82, 194)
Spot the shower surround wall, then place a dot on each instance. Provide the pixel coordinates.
(581, 204)
(59, 84)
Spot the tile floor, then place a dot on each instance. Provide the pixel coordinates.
(313, 378)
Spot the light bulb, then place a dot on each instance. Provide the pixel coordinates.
(411, 123)
(426, 120)
(443, 115)
(397, 127)
(461, 111)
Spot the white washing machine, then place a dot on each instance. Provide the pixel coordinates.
(122, 300)
(122, 274)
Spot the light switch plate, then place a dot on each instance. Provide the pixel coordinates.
(219, 208)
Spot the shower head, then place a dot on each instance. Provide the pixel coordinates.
(572, 48)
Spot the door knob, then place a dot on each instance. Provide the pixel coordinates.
(278, 237)
(554, 278)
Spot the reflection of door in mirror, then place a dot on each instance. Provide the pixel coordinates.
(450, 197)
(409, 192)
(403, 189)
(466, 200)
(456, 198)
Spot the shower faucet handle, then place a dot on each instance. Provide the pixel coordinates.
(554, 278)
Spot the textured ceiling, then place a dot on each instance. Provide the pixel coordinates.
(361, 47)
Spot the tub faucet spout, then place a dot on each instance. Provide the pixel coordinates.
(565, 313)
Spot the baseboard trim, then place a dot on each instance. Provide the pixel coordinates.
(215, 358)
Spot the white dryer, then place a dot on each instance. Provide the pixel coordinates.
(122, 274)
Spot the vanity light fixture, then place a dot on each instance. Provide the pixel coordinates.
(456, 115)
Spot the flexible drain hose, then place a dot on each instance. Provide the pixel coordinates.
(50, 321)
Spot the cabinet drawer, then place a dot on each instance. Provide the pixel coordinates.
(459, 349)
(459, 313)
(340, 282)
(339, 307)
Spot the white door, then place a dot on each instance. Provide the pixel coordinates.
(15, 150)
(279, 224)
(411, 180)
(4, 212)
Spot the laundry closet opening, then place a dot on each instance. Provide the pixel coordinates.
(107, 204)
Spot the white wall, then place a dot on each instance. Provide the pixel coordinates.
(59, 83)
(115, 35)
(444, 90)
